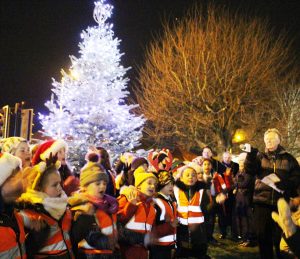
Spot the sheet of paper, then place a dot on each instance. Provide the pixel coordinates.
(270, 180)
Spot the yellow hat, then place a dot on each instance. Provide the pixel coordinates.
(140, 175)
(92, 172)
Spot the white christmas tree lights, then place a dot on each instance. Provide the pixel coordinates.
(88, 106)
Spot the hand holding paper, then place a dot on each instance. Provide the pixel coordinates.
(270, 180)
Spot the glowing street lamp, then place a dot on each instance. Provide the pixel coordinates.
(239, 136)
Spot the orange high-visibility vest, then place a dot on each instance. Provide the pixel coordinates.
(219, 183)
(189, 212)
(12, 245)
(167, 212)
(58, 242)
(140, 221)
(108, 226)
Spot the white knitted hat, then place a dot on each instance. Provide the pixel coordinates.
(8, 163)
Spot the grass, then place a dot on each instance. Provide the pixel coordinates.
(230, 249)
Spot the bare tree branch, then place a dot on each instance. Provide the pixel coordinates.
(207, 77)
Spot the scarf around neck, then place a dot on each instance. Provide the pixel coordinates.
(55, 206)
(108, 203)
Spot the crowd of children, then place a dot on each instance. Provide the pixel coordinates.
(153, 208)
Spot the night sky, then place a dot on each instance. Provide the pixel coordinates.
(37, 36)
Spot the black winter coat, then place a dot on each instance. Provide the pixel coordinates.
(280, 162)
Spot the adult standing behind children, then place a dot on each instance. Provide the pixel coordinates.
(244, 184)
(217, 166)
(232, 169)
(18, 147)
(104, 160)
(275, 160)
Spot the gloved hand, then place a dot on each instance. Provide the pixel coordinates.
(246, 147)
(284, 218)
(249, 149)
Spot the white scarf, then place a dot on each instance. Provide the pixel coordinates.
(55, 206)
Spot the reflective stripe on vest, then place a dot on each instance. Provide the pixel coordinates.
(167, 239)
(58, 238)
(189, 212)
(10, 247)
(167, 212)
(14, 252)
(185, 209)
(87, 249)
(106, 223)
(141, 226)
(107, 226)
(140, 222)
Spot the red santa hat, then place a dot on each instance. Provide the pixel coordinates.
(8, 163)
(44, 150)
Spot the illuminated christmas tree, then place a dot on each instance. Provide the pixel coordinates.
(88, 106)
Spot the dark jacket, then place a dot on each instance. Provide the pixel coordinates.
(244, 189)
(86, 227)
(234, 167)
(293, 242)
(280, 162)
(217, 166)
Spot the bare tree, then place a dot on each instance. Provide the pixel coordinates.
(288, 100)
(209, 75)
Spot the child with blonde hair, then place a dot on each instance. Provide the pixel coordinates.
(18, 147)
(45, 201)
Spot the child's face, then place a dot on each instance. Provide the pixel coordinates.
(52, 186)
(23, 152)
(189, 177)
(167, 189)
(206, 166)
(96, 189)
(148, 186)
(61, 156)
